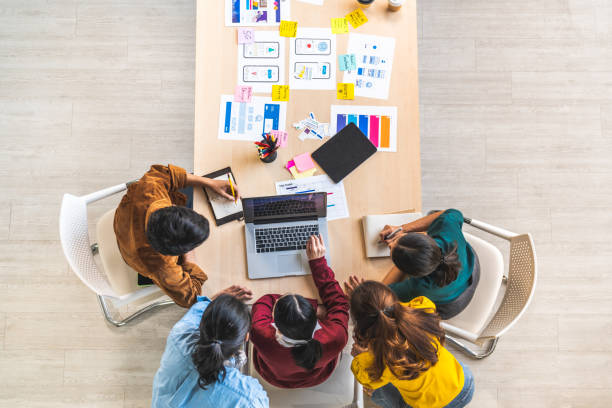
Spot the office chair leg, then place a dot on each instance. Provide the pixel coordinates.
(118, 323)
(477, 355)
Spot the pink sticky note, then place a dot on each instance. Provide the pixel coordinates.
(243, 94)
(290, 164)
(303, 162)
(246, 36)
(281, 136)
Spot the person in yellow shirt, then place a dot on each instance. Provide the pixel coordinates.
(399, 354)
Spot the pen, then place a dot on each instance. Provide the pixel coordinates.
(392, 234)
(231, 186)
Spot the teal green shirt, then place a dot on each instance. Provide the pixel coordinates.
(445, 230)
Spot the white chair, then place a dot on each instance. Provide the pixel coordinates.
(116, 284)
(477, 329)
(341, 389)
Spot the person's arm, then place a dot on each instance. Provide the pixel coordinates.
(393, 276)
(261, 329)
(221, 187)
(182, 282)
(332, 296)
(420, 225)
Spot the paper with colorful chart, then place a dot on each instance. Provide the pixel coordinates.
(374, 57)
(312, 59)
(249, 121)
(261, 63)
(378, 123)
(337, 206)
(256, 12)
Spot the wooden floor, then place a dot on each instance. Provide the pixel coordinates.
(516, 126)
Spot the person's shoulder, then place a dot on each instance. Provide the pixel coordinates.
(452, 215)
(245, 386)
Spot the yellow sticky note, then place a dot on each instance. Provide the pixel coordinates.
(356, 18)
(346, 91)
(288, 28)
(297, 175)
(339, 25)
(280, 92)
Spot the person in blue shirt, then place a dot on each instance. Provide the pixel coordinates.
(201, 364)
(432, 258)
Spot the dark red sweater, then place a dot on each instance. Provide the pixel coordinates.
(275, 362)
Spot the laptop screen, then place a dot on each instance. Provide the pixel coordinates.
(282, 208)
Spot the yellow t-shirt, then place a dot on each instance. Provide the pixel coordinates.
(436, 387)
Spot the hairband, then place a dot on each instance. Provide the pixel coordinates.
(289, 342)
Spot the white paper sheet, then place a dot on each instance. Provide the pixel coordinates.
(261, 64)
(374, 63)
(256, 13)
(312, 59)
(250, 120)
(369, 119)
(337, 207)
(223, 207)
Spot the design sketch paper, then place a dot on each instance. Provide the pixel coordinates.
(223, 207)
(261, 64)
(336, 197)
(374, 63)
(250, 120)
(312, 59)
(378, 123)
(256, 12)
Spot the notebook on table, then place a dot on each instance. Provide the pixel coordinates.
(373, 224)
(344, 152)
(224, 210)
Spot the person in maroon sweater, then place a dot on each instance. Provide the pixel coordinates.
(292, 346)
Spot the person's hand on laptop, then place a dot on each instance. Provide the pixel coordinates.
(315, 247)
(239, 292)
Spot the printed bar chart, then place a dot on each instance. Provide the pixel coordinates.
(378, 123)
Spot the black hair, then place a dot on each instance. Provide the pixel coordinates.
(176, 230)
(295, 318)
(223, 329)
(418, 255)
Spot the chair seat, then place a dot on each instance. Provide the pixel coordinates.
(473, 319)
(122, 278)
(336, 392)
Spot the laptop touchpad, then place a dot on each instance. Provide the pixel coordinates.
(289, 264)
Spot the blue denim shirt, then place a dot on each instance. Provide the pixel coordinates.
(176, 381)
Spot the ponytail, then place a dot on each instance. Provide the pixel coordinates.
(418, 255)
(400, 338)
(296, 319)
(223, 329)
(307, 355)
(448, 268)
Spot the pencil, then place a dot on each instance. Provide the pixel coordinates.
(232, 187)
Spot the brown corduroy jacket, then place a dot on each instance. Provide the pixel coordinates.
(158, 188)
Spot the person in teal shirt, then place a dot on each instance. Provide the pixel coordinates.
(432, 258)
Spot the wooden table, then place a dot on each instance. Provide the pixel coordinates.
(387, 182)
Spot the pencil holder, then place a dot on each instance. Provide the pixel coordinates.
(270, 158)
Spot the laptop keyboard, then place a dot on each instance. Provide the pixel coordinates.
(284, 238)
(284, 208)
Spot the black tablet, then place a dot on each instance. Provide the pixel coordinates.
(223, 209)
(344, 152)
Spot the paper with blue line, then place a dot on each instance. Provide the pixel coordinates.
(337, 207)
(250, 120)
(261, 63)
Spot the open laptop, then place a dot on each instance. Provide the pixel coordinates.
(277, 229)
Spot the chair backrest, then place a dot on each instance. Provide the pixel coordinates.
(522, 276)
(74, 236)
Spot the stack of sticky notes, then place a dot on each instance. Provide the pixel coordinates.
(301, 166)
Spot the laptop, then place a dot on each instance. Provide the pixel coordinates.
(277, 229)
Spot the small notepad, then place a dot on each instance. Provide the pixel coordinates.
(303, 162)
(373, 224)
(224, 210)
